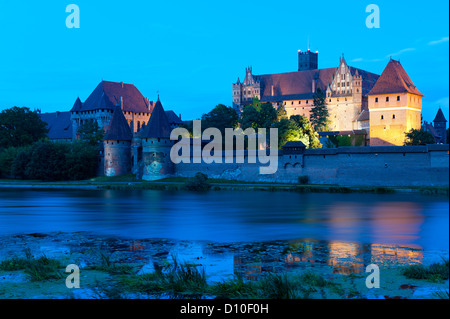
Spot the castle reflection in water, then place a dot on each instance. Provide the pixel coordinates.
(249, 261)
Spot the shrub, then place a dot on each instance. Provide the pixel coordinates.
(198, 183)
(50, 161)
(19, 165)
(7, 157)
(303, 179)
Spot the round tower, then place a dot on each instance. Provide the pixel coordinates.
(117, 145)
(156, 145)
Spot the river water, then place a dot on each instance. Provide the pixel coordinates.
(232, 216)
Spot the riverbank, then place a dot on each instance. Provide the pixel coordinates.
(129, 182)
(32, 266)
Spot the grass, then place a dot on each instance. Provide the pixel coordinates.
(108, 265)
(183, 280)
(435, 272)
(39, 269)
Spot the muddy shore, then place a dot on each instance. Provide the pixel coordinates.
(108, 263)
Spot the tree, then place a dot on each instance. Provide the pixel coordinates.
(81, 161)
(288, 130)
(91, 133)
(281, 113)
(267, 115)
(309, 137)
(48, 161)
(258, 115)
(419, 137)
(319, 112)
(20, 163)
(250, 117)
(19, 126)
(221, 117)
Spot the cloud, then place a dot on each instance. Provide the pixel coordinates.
(366, 60)
(443, 102)
(441, 40)
(400, 52)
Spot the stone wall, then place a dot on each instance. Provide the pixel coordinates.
(358, 166)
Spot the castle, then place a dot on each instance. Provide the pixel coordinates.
(383, 107)
(137, 130)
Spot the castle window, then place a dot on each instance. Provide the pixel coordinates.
(393, 116)
(387, 98)
(376, 100)
(382, 117)
(306, 101)
(292, 103)
(398, 97)
(357, 90)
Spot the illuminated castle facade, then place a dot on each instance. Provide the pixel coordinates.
(359, 102)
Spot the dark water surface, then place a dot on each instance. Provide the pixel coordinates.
(228, 216)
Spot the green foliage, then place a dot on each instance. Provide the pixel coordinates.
(91, 133)
(435, 272)
(39, 269)
(419, 137)
(281, 113)
(249, 118)
(198, 183)
(81, 161)
(319, 112)
(7, 157)
(19, 126)
(287, 131)
(20, 163)
(310, 137)
(47, 161)
(50, 161)
(221, 117)
(297, 128)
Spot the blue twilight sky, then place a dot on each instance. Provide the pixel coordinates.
(192, 51)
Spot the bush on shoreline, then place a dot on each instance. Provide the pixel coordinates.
(49, 161)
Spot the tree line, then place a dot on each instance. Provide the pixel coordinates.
(26, 151)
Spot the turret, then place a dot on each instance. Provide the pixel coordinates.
(156, 145)
(117, 145)
(440, 126)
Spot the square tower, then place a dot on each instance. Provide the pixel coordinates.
(395, 106)
(308, 60)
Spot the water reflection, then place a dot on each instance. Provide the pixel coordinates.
(252, 260)
(399, 219)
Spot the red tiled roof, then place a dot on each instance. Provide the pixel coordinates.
(394, 79)
(293, 85)
(118, 128)
(298, 85)
(108, 94)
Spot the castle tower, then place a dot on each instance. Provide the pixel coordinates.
(357, 88)
(395, 106)
(117, 145)
(308, 60)
(156, 145)
(75, 117)
(440, 126)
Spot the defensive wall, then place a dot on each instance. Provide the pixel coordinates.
(359, 166)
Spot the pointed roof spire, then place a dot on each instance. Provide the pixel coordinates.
(439, 116)
(158, 126)
(77, 105)
(118, 128)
